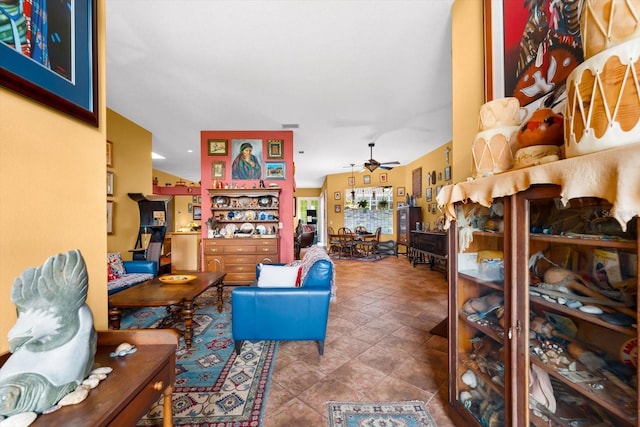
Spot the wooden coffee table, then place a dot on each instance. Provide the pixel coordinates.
(154, 293)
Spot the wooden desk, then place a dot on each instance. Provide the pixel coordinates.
(429, 247)
(136, 383)
(154, 293)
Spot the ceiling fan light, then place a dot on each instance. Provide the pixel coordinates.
(371, 166)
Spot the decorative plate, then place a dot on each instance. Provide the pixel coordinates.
(221, 201)
(249, 215)
(247, 227)
(177, 279)
(264, 201)
(231, 229)
(244, 202)
(239, 215)
(261, 229)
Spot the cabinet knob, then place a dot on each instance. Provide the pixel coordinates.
(158, 386)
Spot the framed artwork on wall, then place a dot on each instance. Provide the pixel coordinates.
(336, 195)
(109, 154)
(416, 181)
(447, 173)
(109, 217)
(217, 169)
(274, 170)
(400, 191)
(197, 213)
(62, 75)
(217, 147)
(247, 159)
(109, 183)
(383, 177)
(274, 148)
(429, 194)
(367, 179)
(511, 64)
(337, 208)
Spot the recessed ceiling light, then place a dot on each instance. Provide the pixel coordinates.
(189, 151)
(156, 156)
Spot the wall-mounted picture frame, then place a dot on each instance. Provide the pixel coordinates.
(336, 195)
(217, 147)
(109, 216)
(367, 179)
(109, 154)
(218, 169)
(110, 179)
(62, 75)
(447, 173)
(383, 177)
(274, 170)
(351, 181)
(274, 148)
(190, 207)
(416, 182)
(399, 205)
(429, 194)
(247, 159)
(197, 213)
(400, 191)
(503, 52)
(337, 208)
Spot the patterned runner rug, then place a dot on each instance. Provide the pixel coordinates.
(411, 413)
(213, 385)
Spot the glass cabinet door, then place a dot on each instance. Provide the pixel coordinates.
(480, 342)
(579, 271)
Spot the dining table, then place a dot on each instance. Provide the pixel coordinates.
(350, 245)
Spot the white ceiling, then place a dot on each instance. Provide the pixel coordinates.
(349, 72)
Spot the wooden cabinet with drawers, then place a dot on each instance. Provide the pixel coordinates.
(238, 256)
(245, 226)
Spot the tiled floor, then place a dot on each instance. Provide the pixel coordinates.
(378, 346)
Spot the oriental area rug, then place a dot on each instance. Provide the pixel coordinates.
(214, 386)
(412, 413)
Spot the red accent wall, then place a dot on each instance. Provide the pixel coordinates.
(287, 185)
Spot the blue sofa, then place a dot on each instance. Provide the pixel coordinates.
(298, 313)
(137, 272)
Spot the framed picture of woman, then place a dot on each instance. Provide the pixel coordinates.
(247, 160)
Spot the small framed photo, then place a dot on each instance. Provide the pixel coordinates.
(217, 169)
(336, 195)
(197, 213)
(400, 191)
(190, 208)
(429, 193)
(218, 147)
(447, 173)
(109, 183)
(383, 177)
(367, 179)
(274, 170)
(337, 208)
(109, 154)
(439, 176)
(399, 205)
(352, 181)
(274, 148)
(438, 188)
(109, 217)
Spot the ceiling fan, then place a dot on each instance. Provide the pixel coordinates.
(373, 164)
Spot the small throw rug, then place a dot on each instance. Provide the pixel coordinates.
(214, 386)
(411, 413)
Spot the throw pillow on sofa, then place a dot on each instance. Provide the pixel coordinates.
(279, 276)
(110, 275)
(115, 261)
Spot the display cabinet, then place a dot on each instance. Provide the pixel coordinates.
(543, 312)
(406, 218)
(543, 293)
(244, 224)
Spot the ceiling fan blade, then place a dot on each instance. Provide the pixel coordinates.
(388, 168)
(390, 163)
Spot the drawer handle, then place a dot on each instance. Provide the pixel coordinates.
(158, 386)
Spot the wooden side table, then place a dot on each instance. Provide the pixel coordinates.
(137, 382)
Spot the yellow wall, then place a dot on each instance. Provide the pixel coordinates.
(53, 192)
(180, 204)
(132, 174)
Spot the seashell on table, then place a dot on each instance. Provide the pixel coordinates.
(124, 349)
(19, 420)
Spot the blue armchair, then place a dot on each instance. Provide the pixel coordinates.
(296, 313)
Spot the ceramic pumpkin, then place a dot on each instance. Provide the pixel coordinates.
(543, 128)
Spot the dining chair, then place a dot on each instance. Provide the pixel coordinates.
(370, 246)
(347, 244)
